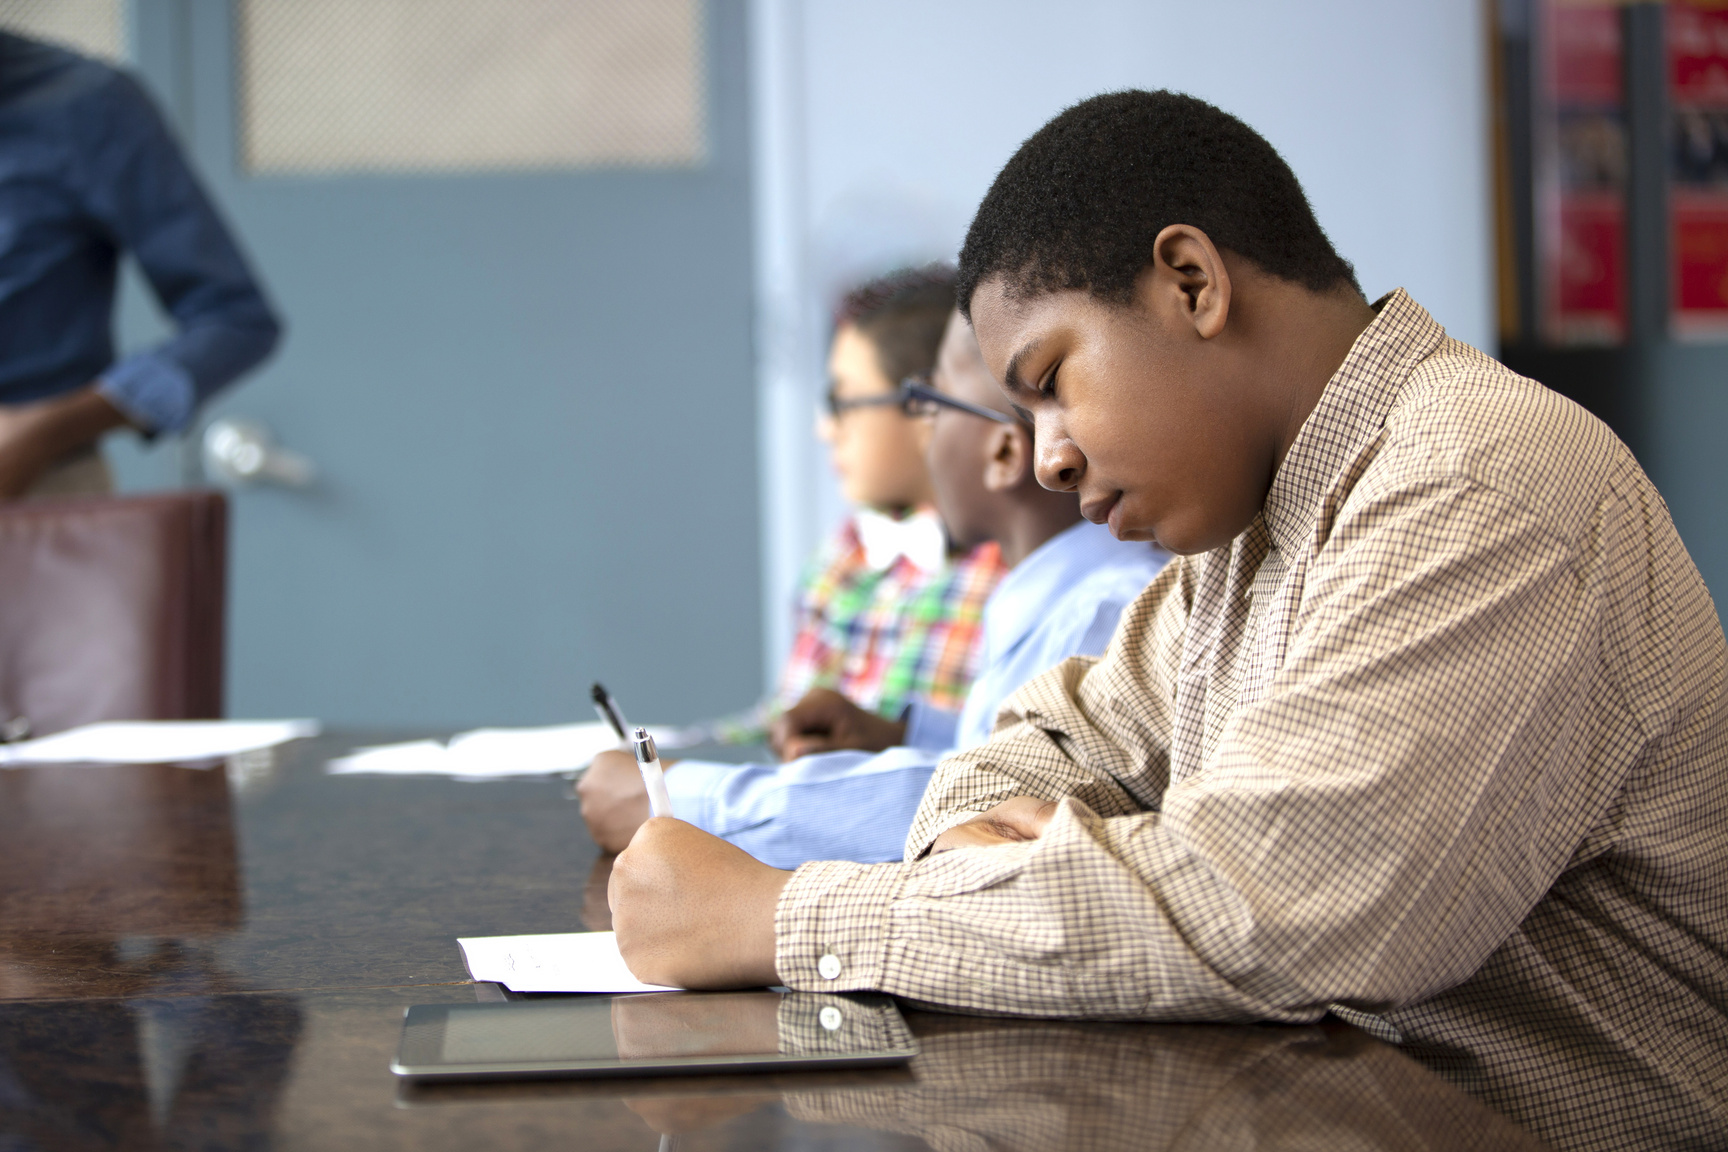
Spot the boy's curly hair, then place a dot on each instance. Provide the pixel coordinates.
(903, 315)
(1078, 206)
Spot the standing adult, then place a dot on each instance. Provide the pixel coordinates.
(88, 171)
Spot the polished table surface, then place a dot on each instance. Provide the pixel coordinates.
(220, 958)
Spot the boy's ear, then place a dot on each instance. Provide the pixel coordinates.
(1008, 457)
(1188, 276)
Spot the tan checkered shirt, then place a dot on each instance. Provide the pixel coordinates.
(1439, 743)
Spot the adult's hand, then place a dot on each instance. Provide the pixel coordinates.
(692, 911)
(1016, 819)
(825, 721)
(35, 436)
(614, 799)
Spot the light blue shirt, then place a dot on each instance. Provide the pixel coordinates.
(1063, 600)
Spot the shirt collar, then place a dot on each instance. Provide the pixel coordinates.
(1024, 596)
(1352, 408)
(918, 536)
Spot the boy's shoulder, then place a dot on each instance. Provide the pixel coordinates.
(1463, 414)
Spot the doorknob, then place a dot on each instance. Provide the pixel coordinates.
(242, 452)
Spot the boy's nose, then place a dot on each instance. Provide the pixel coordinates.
(1059, 464)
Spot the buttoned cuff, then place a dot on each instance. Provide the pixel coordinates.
(831, 925)
(152, 391)
(930, 729)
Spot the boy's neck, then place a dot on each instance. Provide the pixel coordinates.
(1310, 336)
(1028, 526)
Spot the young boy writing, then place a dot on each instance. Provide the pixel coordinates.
(1426, 728)
(1067, 585)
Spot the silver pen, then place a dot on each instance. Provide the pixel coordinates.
(648, 762)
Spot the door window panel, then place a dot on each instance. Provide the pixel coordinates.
(94, 27)
(424, 86)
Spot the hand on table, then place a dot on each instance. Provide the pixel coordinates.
(825, 721)
(1016, 819)
(692, 911)
(614, 799)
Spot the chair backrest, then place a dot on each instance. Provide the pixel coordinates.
(112, 609)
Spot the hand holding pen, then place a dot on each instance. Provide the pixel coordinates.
(648, 763)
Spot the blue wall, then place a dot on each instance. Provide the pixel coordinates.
(531, 399)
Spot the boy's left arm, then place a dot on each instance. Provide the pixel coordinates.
(1330, 852)
(1064, 733)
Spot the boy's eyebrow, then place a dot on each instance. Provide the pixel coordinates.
(1011, 377)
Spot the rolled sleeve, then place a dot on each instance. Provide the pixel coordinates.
(152, 391)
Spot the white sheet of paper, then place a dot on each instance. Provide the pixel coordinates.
(558, 962)
(155, 741)
(488, 753)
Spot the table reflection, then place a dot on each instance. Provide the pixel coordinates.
(1046, 1087)
(117, 850)
(179, 1071)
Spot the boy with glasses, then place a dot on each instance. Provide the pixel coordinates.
(887, 612)
(1067, 583)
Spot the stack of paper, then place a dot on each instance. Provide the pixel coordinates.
(560, 962)
(490, 753)
(155, 741)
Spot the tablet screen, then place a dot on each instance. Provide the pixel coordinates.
(638, 1034)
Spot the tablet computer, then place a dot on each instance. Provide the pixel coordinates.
(656, 1033)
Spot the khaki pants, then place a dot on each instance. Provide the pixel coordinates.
(84, 473)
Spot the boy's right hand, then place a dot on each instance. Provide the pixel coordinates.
(614, 799)
(825, 721)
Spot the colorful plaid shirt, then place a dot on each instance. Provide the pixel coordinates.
(884, 637)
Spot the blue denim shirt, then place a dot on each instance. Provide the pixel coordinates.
(88, 171)
(1063, 600)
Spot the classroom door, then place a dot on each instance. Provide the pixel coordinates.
(529, 398)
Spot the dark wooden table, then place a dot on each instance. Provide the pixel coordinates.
(220, 958)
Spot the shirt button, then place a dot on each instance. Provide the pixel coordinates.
(828, 967)
(830, 1018)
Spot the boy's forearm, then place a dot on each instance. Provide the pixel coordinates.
(1021, 759)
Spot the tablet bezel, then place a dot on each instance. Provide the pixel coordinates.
(423, 1034)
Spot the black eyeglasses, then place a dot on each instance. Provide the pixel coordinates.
(919, 399)
(838, 407)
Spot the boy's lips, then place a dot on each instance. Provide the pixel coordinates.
(1103, 510)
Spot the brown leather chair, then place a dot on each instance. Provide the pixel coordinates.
(112, 609)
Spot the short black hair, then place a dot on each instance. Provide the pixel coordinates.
(1079, 205)
(903, 315)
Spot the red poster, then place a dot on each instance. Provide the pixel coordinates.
(1698, 196)
(1592, 240)
(1582, 184)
